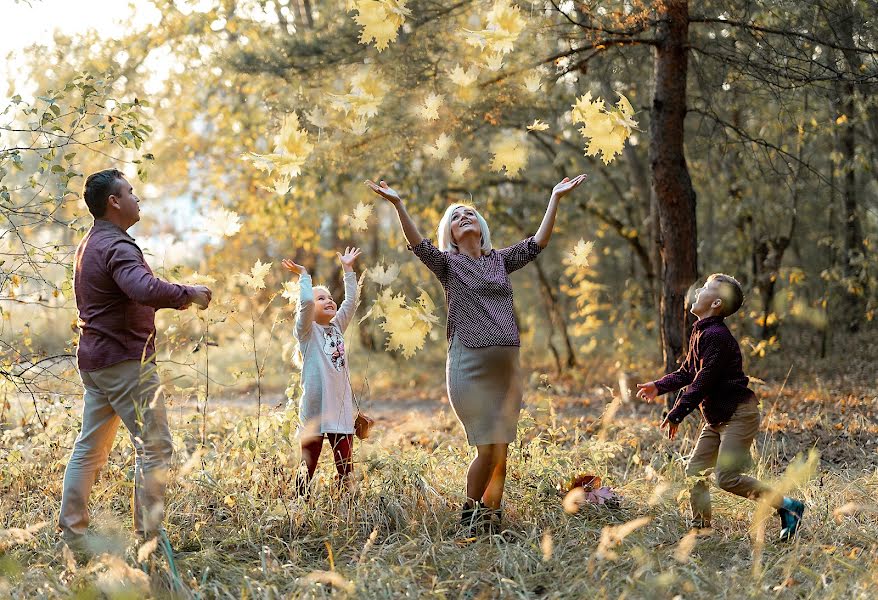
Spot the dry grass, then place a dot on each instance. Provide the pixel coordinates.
(239, 532)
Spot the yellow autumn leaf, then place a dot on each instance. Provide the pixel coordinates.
(222, 223)
(586, 109)
(357, 220)
(255, 280)
(532, 82)
(440, 148)
(464, 77)
(291, 291)
(504, 25)
(429, 108)
(292, 148)
(380, 20)
(494, 62)
(579, 256)
(537, 125)
(459, 167)
(510, 153)
(384, 275)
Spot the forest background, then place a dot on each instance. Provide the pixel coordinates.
(248, 127)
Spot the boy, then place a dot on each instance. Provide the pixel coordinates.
(716, 383)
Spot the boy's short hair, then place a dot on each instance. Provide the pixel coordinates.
(731, 293)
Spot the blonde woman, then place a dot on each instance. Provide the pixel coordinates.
(482, 370)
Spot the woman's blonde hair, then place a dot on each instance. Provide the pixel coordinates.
(446, 242)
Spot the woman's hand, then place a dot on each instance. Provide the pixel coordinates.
(293, 267)
(347, 259)
(566, 185)
(384, 190)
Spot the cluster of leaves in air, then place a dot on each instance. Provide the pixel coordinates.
(380, 20)
(605, 128)
(406, 323)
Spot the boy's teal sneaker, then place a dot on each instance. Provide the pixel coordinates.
(790, 518)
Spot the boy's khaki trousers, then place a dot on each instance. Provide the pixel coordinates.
(127, 392)
(725, 448)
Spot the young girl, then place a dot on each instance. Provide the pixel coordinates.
(326, 407)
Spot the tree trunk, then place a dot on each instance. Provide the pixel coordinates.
(671, 184)
(853, 289)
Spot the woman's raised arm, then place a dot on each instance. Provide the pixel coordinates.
(409, 228)
(562, 189)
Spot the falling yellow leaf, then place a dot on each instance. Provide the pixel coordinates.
(532, 82)
(440, 148)
(685, 547)
(407, 325)
(547, 545)
(367, 91)
(384, 275)
(464, 77)
(510, 153)
(292, 148)
(586, 109)
(429, 109)
(504, 25)
(606, 129)
(317, 117)
(579, 256)
(291, 291)
(459, 167)
(357, 220)
(494, 62)
(146, 549)
(537, 125)
(222, 223)
(612, 536)
(380, 20)
(255, 280)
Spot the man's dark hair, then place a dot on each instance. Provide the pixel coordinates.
(98, 188)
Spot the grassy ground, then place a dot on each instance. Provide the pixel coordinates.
(238, 531)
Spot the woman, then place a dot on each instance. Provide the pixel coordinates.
(482, 370)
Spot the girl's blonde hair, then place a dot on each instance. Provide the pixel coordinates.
(446, 242)
(322, 288)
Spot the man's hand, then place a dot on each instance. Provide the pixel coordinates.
(672, 428)
(293, 267)
(347, 259)
(201, 296)
(647, 391)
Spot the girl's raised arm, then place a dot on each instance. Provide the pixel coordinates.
(305, 308)
(348, 307)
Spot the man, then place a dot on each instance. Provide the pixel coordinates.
(117, 296)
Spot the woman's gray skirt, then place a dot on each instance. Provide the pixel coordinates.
(485, 390)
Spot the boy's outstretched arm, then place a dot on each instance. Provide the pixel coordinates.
(711, 370)
(669, 383)
(348, 307)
